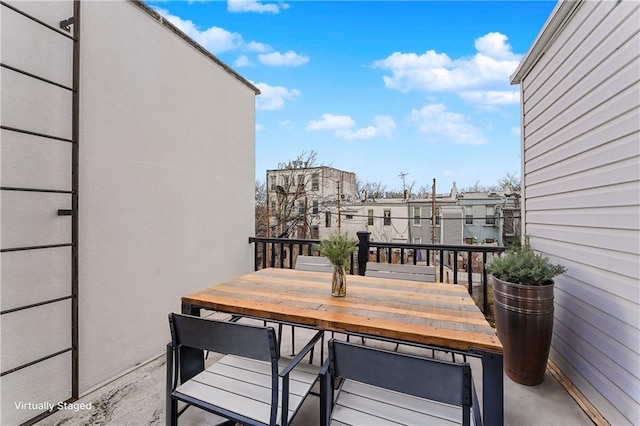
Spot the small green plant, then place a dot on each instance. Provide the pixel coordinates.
(521, 265)
(337, 248)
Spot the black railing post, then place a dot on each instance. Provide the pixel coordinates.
(363, 250)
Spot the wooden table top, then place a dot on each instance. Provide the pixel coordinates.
(427, 313)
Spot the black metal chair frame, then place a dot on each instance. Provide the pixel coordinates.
(404, 373)
(192, 334)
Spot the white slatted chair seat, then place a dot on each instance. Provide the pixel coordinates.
(243, 386)
(401, 272)
(381, 387)
(359, 403)
(251, 384)
(313, 264)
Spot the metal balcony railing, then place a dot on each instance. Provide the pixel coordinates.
(456, 264)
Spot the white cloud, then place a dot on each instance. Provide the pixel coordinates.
(383, 125)
(214, 39)
(259, 127)
(285, 123)
(491, 97)
(515, 131)
(439, 124)
(272, 98)
(331, 122)
(240, 6)
(287, 59)
(431, 71)
(243, 61)
(254, 46)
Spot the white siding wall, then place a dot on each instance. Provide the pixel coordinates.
(582, 198)
(29, 218)
(167, 139)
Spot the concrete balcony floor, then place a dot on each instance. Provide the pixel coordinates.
(138, 398)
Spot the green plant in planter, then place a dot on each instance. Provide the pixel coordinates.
(522, 265)
(523, 306)
(337, 248)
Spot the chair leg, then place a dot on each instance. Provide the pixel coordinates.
(293, 341)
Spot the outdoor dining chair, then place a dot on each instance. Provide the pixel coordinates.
(378, 386)
(250, 384)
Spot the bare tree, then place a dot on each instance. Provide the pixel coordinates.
(370, 191)
(295, 197)
(510, 182)
(261, 209)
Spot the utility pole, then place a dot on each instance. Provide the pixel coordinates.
(433, 212)
(339, 196)
(404, 188)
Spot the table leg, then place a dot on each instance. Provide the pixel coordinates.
(492, 388)
(191, 360)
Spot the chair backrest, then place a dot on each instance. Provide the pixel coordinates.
(313, 263)
(429, 378)
(226, 337)
(401, 272)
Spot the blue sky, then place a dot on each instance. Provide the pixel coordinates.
(378, 88)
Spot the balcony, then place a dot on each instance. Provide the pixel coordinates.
(138, 397)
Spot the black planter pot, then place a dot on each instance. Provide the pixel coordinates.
(524, 319)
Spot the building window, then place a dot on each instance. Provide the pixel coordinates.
(285, 179)
(468, 240)
(387, 217)
(301, 208)
(315, 182)
(416, 216)
(327, 219)
(468, 218)
(417, 240)
(300, 182)
(315, 232)
(315, 207)
(272, 180)
(273, 206)
(370, 217)
(490, 215)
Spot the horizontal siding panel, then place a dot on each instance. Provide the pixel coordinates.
(620, 172)
(620, 332)
(604, 406)
(623, 402)
(619, 262)
(604, 280)
(612, 79)
(625, 125)
(608, 73)
(34, 105)
(48, 380)
(50, 12)
(34, 333)
(588, 46)
(574, 127)
(602, 362)
(33, 162)
(31, 47)
(613, 217)
(620, 195)
(31, 219)
(34, 276)
(567, 42)
(626, 147)
(597, 238)
(609, 347)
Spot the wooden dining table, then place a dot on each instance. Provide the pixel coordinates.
(405, 312)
